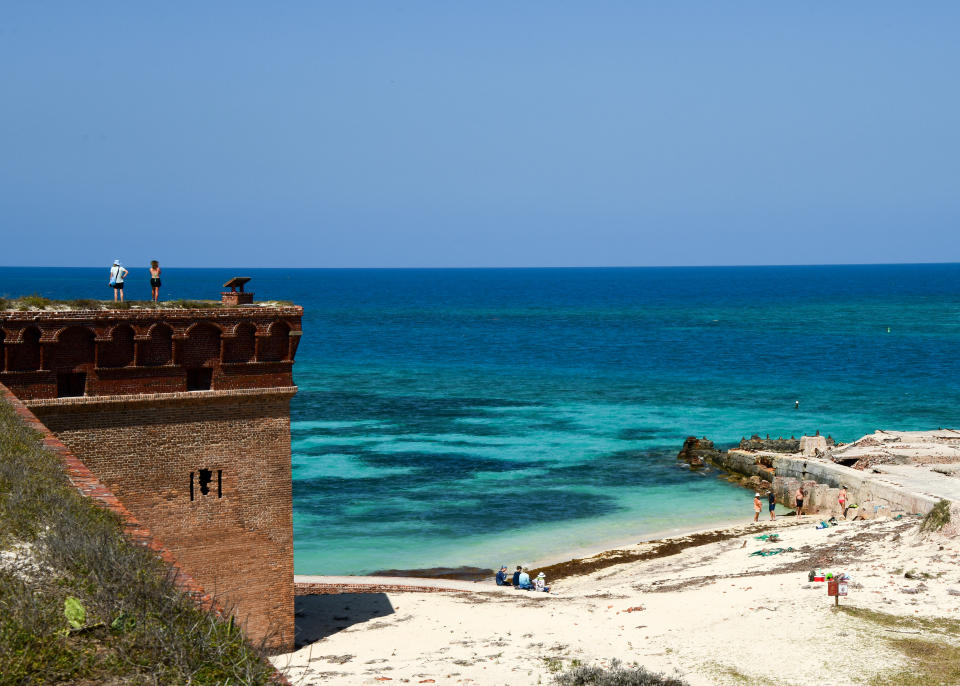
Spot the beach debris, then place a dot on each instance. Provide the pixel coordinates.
(636, 608)
(336, 659)
(770, 538)
(919, 589)
(768, 553)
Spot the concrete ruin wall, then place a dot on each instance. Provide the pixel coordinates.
(822, 482)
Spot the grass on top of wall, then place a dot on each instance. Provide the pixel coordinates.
(138, 627)
(35, 302)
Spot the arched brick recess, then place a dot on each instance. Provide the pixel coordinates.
(158, 350)
(202, 346)
(73, 349)
(276, 346)
(241, 347)
(117, 352)
(25, 355)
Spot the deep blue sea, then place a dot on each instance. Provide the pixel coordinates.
(479, 417)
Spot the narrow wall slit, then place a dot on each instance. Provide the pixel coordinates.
(203, 478)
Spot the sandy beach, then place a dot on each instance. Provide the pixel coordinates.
(710, 613)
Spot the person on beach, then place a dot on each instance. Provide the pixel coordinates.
(842, 499)
(799, 496)
(516, 577)
(117, 275)
(502, 576)
(756, 507)
(155, 279)
(523, 581)
(541, 583)
(772, 503)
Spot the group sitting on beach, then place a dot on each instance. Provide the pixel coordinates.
(521, 579)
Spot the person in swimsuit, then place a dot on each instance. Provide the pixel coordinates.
(756, 507)
(799, 496)
(155, 279)
(772, 503)
(117, 275)
(842, 499)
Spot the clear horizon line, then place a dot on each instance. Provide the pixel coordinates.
(488, 267)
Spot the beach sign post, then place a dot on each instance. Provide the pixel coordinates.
(836, 587)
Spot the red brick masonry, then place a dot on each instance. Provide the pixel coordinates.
(209, 473)
(184, 415)
(88, 485)
(117, 352)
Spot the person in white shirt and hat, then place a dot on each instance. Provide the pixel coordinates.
(541, 583)
(117, 275)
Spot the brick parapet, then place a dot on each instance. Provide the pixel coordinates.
(178, 398)
(50, 354)
(191, 313)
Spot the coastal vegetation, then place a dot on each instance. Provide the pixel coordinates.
(931, 647)
(937, 518)
(35, 302)
(80, 603)
(617, 674)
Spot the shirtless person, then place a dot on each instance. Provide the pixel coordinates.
(756, 507)
(799, 496)
(842, 499)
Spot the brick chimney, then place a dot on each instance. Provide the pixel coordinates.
(233, 296)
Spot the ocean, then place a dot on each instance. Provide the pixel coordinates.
(477, 417)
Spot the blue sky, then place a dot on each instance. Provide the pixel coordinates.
(479, 134)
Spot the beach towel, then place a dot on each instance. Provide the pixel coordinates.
(768, 553)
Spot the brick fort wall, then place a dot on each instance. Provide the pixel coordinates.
(202, 474)
(185, 416)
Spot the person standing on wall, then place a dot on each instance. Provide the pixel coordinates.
(155, 279)
(117, 275)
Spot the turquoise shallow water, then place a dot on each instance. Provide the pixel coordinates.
(473, 417)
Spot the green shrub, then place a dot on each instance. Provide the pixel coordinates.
(196, 304)
(84, 304)
(35, 300)
(616, 675)
(937, 518)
